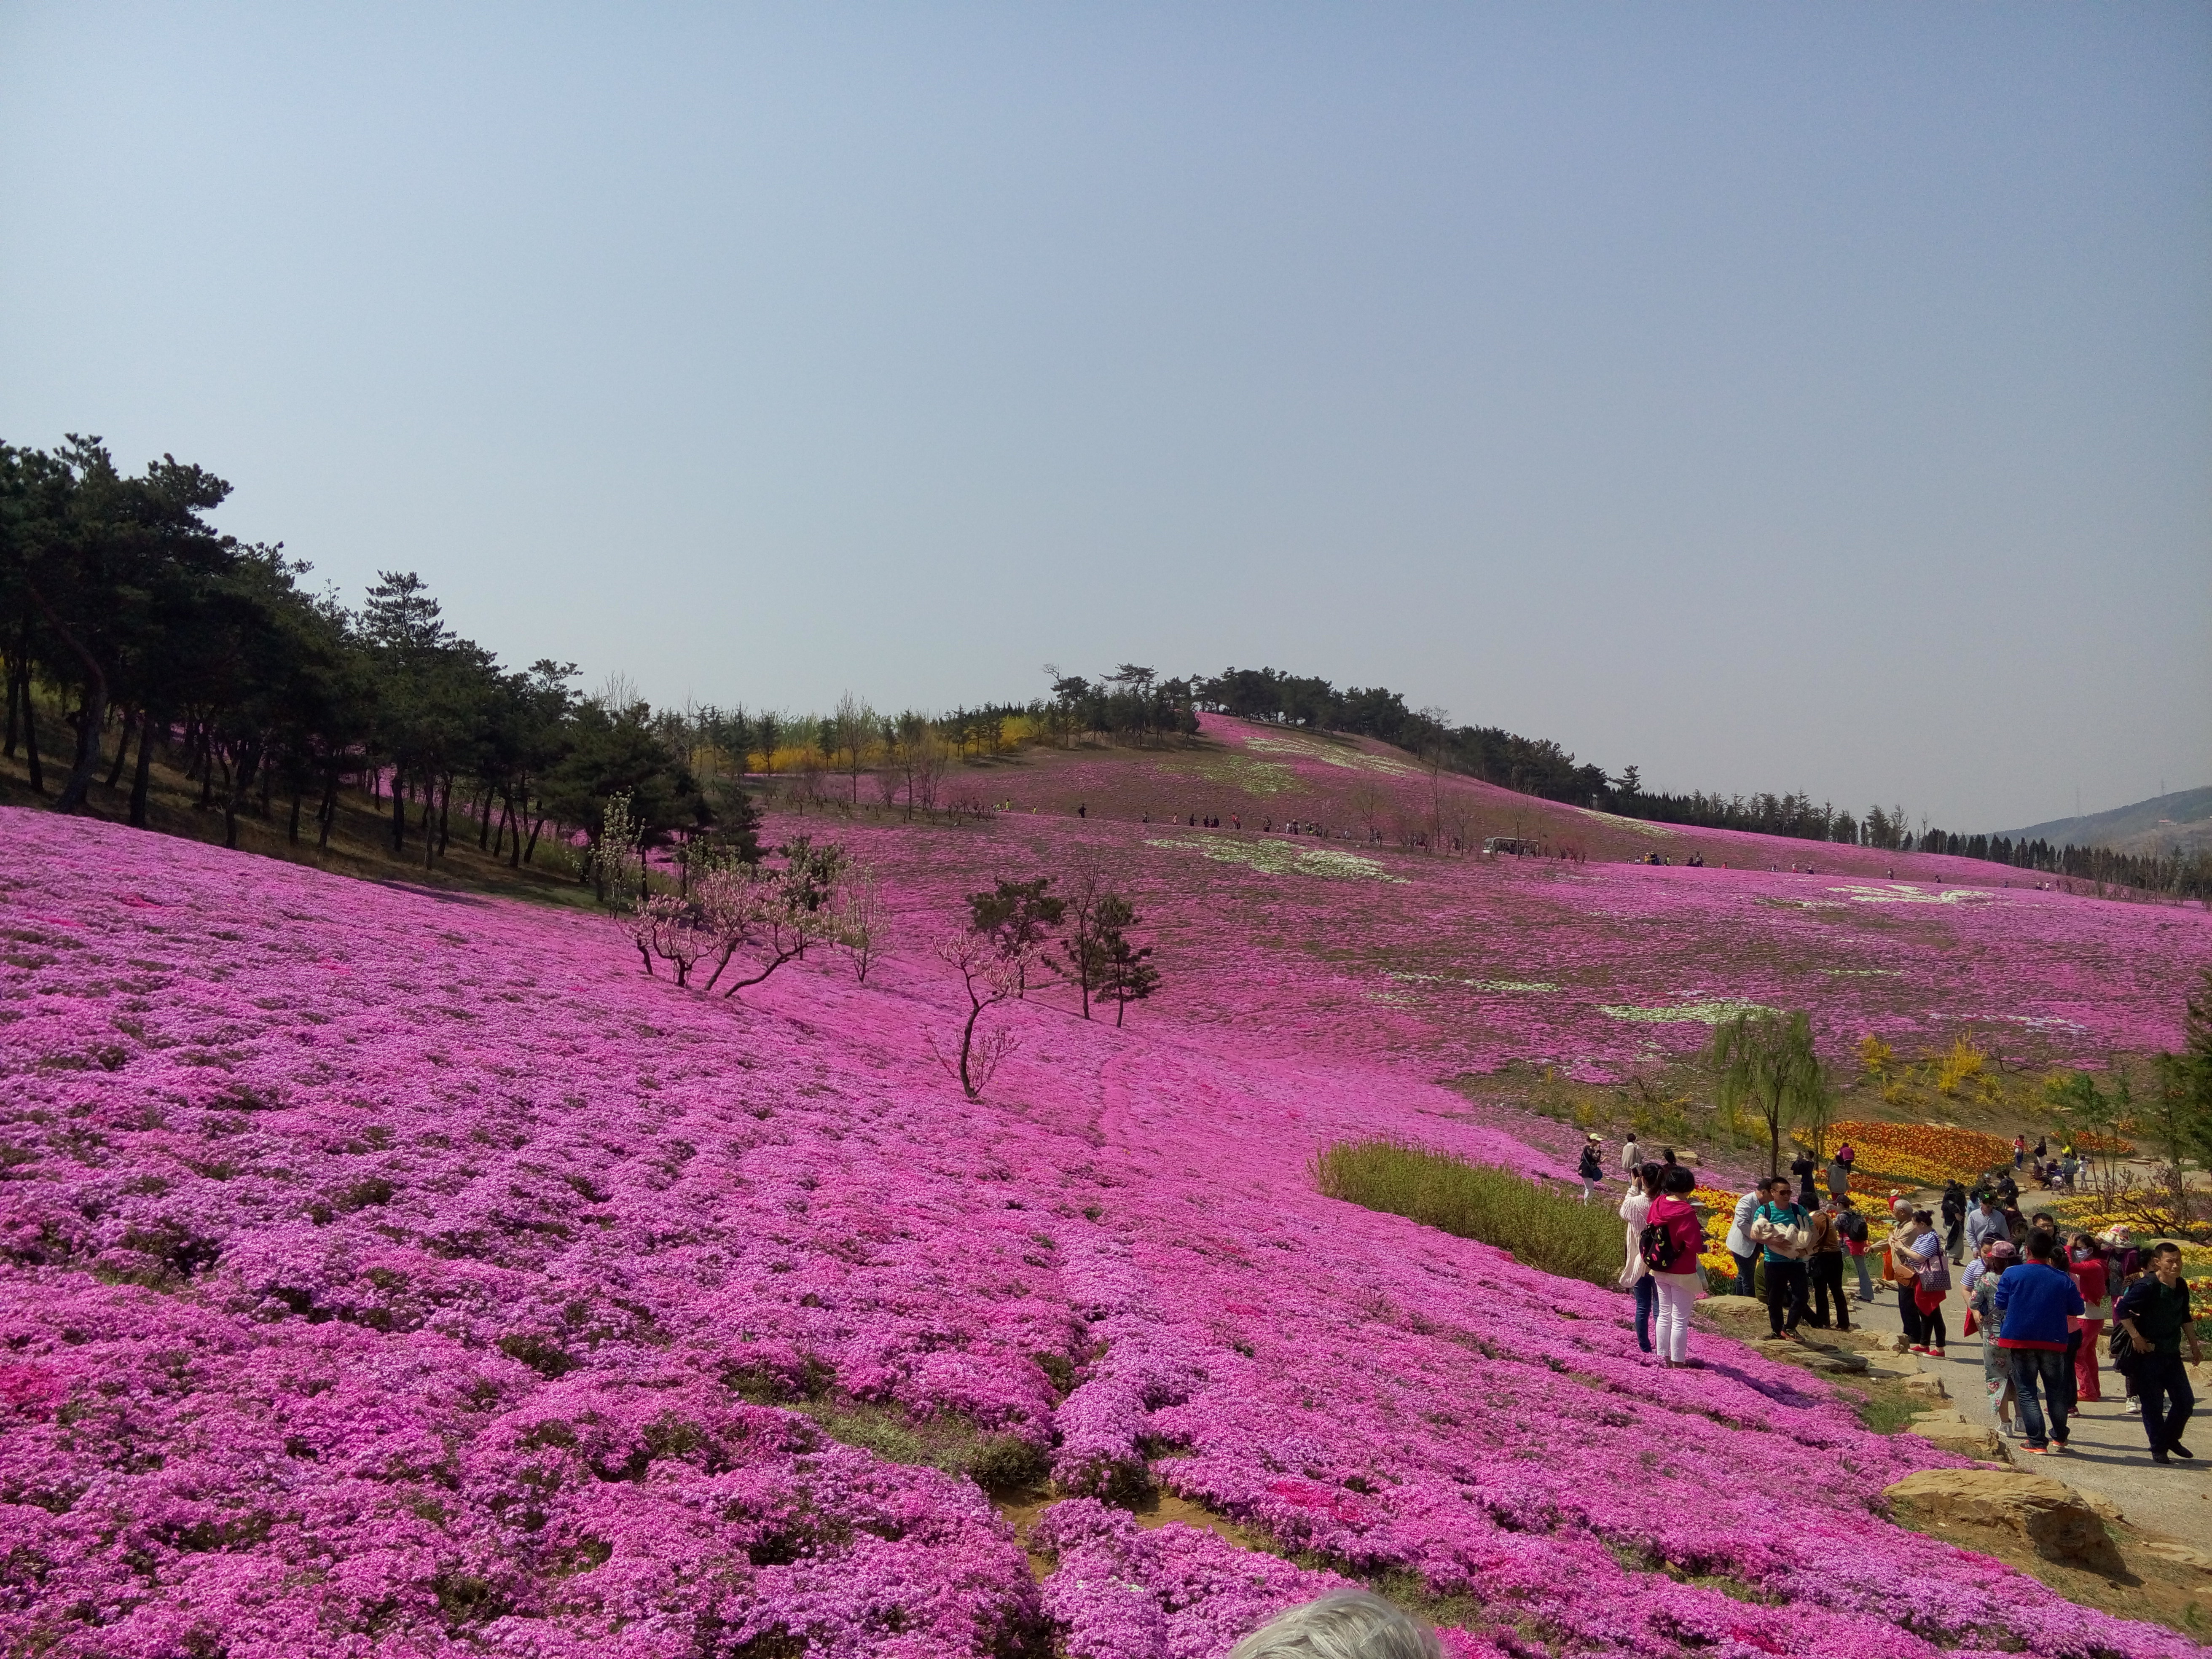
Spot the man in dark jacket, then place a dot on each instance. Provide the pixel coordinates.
(2154, 1313)
(2035, 1302)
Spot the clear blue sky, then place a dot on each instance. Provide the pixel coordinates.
(1773, 397)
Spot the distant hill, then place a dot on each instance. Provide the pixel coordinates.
(2165, 825)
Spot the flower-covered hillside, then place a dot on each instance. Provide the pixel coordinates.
(1269, 774)
(388, 1272)
(1436, 966)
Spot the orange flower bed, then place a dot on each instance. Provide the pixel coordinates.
(1919, 1151)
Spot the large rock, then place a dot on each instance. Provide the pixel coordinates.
(2061, 1524)
(1742, 1305)
(1954, 1433)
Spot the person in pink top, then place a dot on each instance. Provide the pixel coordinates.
(2085, 1262)
(1679, 1280)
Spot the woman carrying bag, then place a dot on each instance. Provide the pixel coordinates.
(1931, 1281)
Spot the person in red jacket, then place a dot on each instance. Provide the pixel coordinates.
(1678, 1284)
(2085, 1262)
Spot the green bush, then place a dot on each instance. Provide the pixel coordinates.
(1542, 1226)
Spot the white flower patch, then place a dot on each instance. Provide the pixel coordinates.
(1688, 1014)
(1352, 760)
(1522, 985)
(1284, 858)
(1902, 892)
(1634, 826)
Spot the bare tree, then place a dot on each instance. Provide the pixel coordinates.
(990, 973)
(857, 915)
(850, 730)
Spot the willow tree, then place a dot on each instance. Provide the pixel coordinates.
(1766, 1059)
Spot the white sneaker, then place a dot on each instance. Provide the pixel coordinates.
(2134, 1408)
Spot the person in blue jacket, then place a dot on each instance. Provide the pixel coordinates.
(2036, 1301)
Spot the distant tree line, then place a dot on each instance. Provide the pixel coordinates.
(153, 634)
(156, 635)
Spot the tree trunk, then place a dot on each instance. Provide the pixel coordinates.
(249, 757)
(483, 822)
(89, 720)
(15, 705)
(123, 750)
(292, 833)
(142, 778)
(398, 815)
(31, 732)
(329, 811)
(532, 851)
(967, 1046)
(446, 815)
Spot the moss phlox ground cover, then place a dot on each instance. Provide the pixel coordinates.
(391, 1271)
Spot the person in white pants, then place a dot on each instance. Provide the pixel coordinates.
(1680, 1285)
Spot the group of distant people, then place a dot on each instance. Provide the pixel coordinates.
(2053, 1174)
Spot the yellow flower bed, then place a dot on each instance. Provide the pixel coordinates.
(1919, 1152)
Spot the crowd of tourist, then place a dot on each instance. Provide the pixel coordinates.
(2053, 1313)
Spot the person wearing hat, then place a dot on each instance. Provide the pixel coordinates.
(1981, 1310)
(1591, 1169)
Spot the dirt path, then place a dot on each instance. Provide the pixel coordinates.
(2108, 1457)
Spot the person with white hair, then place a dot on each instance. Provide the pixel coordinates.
(1344, 1625)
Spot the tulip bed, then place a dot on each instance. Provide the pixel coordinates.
(386, 1271)
(1921, 1152)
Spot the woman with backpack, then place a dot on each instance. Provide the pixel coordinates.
(1635, 1273)
(1673, 1239)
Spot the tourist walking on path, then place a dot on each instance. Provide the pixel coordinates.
(1954, 1221)
(1591, 1169)
(1825, 1265)
(2086, 1261)
(2019, 1151)
(2154, 1313)
(1897, 1269)
(1739, 1241)
(1839, 1177)
(1931, 1277)
(1635, 1273)
(1805, 1170)
(1779, 1226)
(2034, 1301)
(1981, 1286)
(1680, 1281)
(1851, 1222)
(1631, 1156)
(1986, 1224)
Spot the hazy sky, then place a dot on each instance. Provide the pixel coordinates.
(1808, 397)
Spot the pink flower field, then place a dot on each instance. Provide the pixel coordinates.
(395, 1272)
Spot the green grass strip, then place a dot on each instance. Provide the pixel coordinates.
(1542, 1226)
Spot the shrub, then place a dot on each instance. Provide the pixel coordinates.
(1541, 1226)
